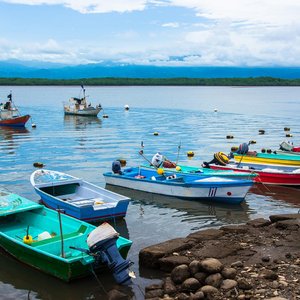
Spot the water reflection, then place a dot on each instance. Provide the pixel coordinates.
(81, 122)
(188, 211)
(12, 137)
(288, 195)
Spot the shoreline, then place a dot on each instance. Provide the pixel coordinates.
(256, 260)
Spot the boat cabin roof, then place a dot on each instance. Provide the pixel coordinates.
(12, 203)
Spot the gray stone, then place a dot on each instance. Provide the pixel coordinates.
(209, 290)
(260, 222)
(276, 218)
(154, 293)
(243, 284)
(154, 286)
(169, 263)
(211, 265)
(214, 280)
(229, 273)
(237, 264)
(180, 274)
(228, 284)
(190, 285)
(207, 234)
(169, 286)
(183, 296)
(197, 296)
(194, 267)
(200, 276)
(268, 274)
(288, 224)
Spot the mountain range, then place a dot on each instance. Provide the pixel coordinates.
(35, 69)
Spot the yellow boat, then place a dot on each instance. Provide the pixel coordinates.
(268, 158)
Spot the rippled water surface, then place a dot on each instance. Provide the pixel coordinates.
(85, 147)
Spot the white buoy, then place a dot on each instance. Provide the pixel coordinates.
(215, 110)
(33, 125)
(126, 107)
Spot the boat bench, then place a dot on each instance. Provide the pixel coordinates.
(80, 231)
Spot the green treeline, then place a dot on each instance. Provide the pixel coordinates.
(251, 81)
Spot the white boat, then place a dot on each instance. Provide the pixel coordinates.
(76, 197)
(214, 189)
(81, 107)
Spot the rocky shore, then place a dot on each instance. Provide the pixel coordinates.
(256, 260)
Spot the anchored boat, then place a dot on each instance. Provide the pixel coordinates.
(10, 114)
(81, 107)
(57, 244)
(181, 185)
(76, 197)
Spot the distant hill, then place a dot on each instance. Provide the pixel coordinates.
(35, 69)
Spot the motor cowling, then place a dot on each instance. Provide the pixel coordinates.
(102, 244)
(116, 167)
(157, 160)
(243, 148)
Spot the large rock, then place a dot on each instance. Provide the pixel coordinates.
(260, 222)
(229, 273)
(211, 265)
(228, 284)
(276, 218)
(204, 235)
(209, 290)
(194, 267)
(169, 263)
(235, 228)
(150, 256)
(169, 286)
(180, 274)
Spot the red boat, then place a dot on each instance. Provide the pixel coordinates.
(10, 115)
(266, 175)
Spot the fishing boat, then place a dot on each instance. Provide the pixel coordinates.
(200, 171)
(287, 148)
(266, 174)
(57, 244)
(81, 107)
(10, 114)
(76, 197)
(181, 185)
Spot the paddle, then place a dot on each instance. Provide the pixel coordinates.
(59, 211)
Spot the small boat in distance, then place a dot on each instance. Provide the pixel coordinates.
(76, 197)
(80, 106)
(10, 115)
(57, 244)
(186, 186)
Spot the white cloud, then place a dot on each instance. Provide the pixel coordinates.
(172, 24)
(89, 6)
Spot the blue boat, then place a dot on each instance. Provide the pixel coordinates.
(214, 189)
(76, 197)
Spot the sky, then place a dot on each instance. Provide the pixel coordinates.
(152, 32)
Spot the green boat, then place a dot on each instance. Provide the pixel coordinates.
(57, 244)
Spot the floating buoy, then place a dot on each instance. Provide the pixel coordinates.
(215, 110)
(105, 116)
(38, 165)
(27, 239)
(263, 150)
(252, 142)
(234, 148)
(33, 125)
(229, 136)
(288, 135)
(126, 107)
(178, 168)
(269, 151)
(155, 133)
(190, 154)
(160, 171)
(286, 129)
(261, 131)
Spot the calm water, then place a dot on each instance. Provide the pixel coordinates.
(86, 147)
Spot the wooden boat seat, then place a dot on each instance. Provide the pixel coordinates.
(80, 231)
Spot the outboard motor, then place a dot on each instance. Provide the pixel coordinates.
(116, 167)
(220, 158)
(102, 244)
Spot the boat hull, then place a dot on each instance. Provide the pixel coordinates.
(88, 112)
(219, 191)
(15, 122)
(262, 158)
(274, 178)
